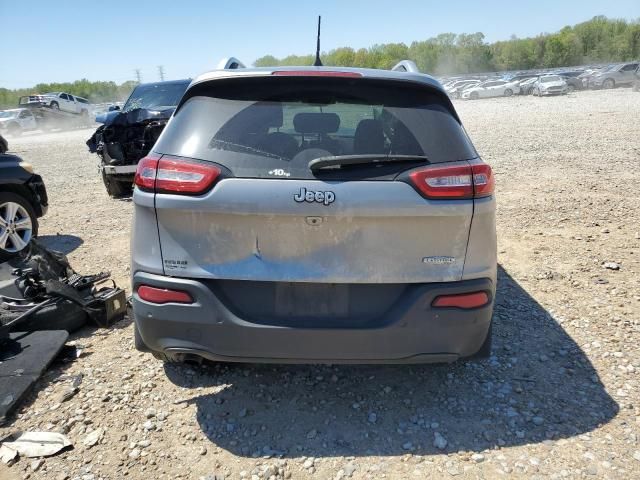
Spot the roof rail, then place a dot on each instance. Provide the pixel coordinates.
(406, 66)
(230, 63)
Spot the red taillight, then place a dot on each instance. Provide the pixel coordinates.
(315, 73)
(146, 172)
(444, 182)
(182, 176)
(163, 295)
(164, 174)
(483, 180)
(454, 182)
(463, 300)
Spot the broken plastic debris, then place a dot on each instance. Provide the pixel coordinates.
(7, 455)
(36, 444)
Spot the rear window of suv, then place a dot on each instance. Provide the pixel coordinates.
(263, 127)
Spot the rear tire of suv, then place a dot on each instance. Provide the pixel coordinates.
(609, 83)
(55, 105)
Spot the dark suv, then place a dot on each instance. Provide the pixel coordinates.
(314, 214)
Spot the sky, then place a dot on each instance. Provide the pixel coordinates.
(58, 41)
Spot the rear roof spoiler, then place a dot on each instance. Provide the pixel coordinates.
(230, 63)
(406, 66)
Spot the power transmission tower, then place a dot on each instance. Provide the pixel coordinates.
(161, 72)
(138, 76)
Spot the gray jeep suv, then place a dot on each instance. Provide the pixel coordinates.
(314, 214)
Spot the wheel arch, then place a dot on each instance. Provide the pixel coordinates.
(25, 192)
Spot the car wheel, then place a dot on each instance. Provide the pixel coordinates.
(116, 188)
(571, 88)
(536, 92)
(608, 83)
(474, 95)
(18, 224)
(508, 92)
(55, 105)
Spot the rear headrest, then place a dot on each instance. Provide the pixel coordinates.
(316, 123)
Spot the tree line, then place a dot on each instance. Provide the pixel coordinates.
(599, 40)
(95, 92)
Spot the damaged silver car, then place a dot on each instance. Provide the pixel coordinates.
(314, 214)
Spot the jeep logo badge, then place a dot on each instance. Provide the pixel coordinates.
(310, 196)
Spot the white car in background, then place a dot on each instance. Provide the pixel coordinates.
(455, 89)
(491, 88)
(17, 120)
(550, 85)
(527, 85)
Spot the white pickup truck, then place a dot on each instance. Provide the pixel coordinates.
(61, 101)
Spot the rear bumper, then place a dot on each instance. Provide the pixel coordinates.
(549, 93)
(411, 331)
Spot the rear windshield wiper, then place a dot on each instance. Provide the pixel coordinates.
(369, 159)
(235, 147)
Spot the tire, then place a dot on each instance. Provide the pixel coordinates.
(55, 105)
(9, 246)
(116, 188)
(536, 92)
(571, 89)
(474, 96)
(530, 91)
(609, 83)
(508, 92)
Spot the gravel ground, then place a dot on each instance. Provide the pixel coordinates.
(559, 398)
